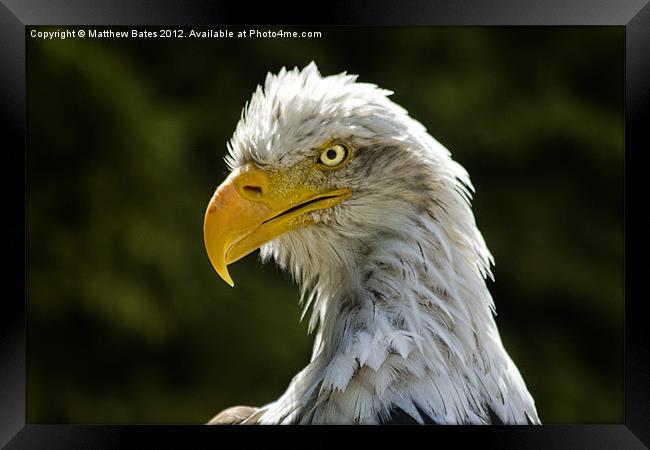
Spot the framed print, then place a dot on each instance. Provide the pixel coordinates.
(424, 214)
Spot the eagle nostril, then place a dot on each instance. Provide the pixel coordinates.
(254, 191)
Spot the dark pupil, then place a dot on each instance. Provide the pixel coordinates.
(331, 154)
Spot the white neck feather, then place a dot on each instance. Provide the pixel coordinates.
(409, 325)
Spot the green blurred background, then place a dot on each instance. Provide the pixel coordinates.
(128, 322)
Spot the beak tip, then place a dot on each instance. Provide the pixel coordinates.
(225, 276)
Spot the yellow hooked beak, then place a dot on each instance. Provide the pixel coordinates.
(252, 207)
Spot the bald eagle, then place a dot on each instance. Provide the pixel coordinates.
(372, 217)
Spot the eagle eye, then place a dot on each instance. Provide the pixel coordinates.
(334, 155)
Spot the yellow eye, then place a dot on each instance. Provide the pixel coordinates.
(334, 155)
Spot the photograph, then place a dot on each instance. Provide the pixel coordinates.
(325, 225)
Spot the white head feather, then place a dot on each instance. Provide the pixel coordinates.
(394, 276)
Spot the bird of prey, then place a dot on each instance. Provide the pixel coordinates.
(372, 217)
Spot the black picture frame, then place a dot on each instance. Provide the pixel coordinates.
(634, 15)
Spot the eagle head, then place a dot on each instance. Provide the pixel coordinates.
(322, 169)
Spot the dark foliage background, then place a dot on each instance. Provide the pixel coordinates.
(128, 323)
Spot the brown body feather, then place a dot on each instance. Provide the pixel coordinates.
(236, 415)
